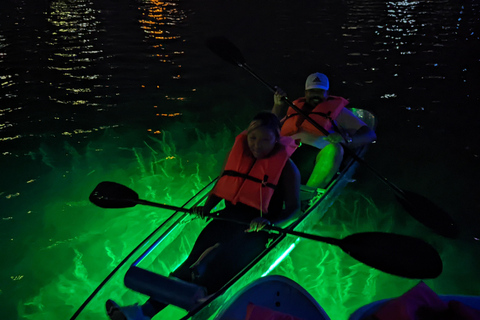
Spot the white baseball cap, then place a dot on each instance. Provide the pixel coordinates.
(317, 80)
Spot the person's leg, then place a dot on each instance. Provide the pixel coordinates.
(327, 164)
(214, 233)
(231, 257)
(132, 312)
(152, 307)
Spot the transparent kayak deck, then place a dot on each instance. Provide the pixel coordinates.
(169, 245)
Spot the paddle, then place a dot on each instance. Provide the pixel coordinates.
(396, 254)
(419, 207)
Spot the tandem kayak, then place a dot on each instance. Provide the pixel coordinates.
(169, 245)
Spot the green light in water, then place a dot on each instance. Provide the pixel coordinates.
(280, 259)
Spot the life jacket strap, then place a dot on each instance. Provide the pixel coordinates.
(325, 115)
(264, 182)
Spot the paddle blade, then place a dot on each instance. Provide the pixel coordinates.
(109, 194)
(226, 50)
(429, 214)
(396, 254)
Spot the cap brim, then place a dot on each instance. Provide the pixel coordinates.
(316, 87)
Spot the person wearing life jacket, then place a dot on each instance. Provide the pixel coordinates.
(321, 155)
(260, 185)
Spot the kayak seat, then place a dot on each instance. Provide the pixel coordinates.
(309, 195)
(169, 290)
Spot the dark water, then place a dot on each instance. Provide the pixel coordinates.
(127, 91)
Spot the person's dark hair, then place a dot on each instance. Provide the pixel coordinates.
(266, 119)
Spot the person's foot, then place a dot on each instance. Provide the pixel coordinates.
(115, 312)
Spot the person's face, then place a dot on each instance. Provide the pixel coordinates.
(315, 96)
(261, 142)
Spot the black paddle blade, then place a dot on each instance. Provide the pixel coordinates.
(396, 254)
(226, 50)
(109, 194)
(429, 214)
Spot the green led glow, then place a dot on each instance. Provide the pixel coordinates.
(145, 255)
(280, 259)
(83, 243)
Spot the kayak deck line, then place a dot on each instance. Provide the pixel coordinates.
(280, 259)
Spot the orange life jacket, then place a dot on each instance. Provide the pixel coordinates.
(321, 114)
(252, 181)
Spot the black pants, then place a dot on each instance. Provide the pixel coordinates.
(234, 250)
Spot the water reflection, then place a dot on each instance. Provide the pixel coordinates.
(6, 81)
(4, 77)
(158, 20)
(65, 65)
(404, 24)
(75, 52)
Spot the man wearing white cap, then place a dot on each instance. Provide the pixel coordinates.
(320, 155)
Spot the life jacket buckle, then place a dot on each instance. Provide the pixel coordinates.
(265, 180)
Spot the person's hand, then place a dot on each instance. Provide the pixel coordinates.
(257, 224)
(198, 211)
(278, 97)
(334, 137)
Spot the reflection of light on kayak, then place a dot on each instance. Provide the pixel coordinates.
(280, 259)
(153, 247)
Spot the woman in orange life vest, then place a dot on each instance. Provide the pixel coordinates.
(260, 186)
(320, 156)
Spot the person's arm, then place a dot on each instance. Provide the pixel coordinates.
(359, 133)
(362, 136)
(290, 184)
(279, 105)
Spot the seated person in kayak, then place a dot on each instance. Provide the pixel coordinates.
(320, 156)
(260, 186)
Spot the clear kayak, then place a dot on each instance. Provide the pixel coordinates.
(169, 245)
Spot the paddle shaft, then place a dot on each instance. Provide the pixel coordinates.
(268, 228)
(392, 253)
(396, 254)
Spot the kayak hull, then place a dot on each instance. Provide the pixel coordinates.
(168, 246)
